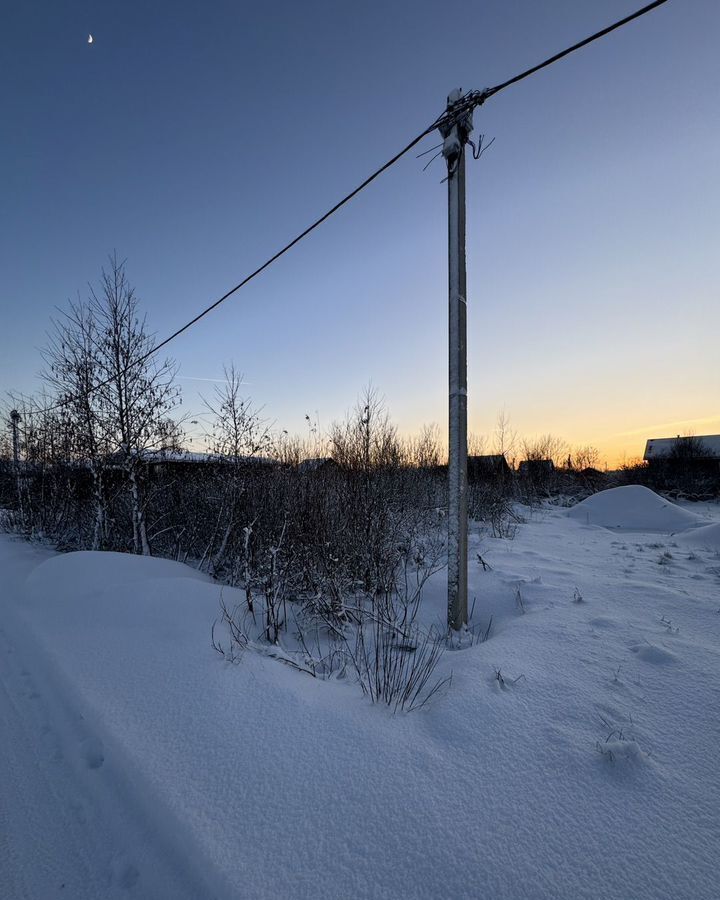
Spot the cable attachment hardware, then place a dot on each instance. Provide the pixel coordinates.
(455, 128)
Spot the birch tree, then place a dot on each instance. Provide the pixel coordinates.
(115, 398)
(135, 391)
(73, 372)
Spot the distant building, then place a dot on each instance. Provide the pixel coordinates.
(536, 469)
(701, 447)
(493, 466)
(173, 460)
(687, 464)
(184, 462)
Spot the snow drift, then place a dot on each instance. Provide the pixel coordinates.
(634, 508)
(89, 572)
(707, 537)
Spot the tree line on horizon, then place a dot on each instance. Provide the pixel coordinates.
(110, 404)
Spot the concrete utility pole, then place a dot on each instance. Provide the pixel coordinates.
(455, 133)
(14, 419)
(14, 422)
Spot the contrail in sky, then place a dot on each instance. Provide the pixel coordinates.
(671, 425)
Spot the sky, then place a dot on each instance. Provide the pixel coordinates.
(197, 139)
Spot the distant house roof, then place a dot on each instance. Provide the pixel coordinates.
(536, 466)
(175, 457)
(657, 448)
(313, 464)
(488, 464)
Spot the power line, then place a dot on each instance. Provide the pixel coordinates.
(465, 104)
(245, 280)
(296, 240)
(469, 101)
(588, 40)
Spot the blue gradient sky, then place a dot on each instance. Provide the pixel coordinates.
(198, 138)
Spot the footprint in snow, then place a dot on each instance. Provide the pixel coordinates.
(602, 622)
(79, 811)
(625, 750)
(51, 744)
(653, 654)
(93, 752)
(129, 877)
(123, 873)
(31, 694)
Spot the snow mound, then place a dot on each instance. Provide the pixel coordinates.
(633, 508)
(707, 537)
(92, 572)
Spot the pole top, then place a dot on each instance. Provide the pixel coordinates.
(455, 130)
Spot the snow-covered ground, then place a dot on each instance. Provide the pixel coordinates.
(573, 756)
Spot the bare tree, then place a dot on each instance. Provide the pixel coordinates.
(506, 439)
(476, 444)
(136, 393)
(366, 439)
(44, 444)
(237, 429)
(426, 451)
(73, 371)
(546, 446)
(237, 434)
(585, 457)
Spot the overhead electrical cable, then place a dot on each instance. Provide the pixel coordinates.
(465, 104)
(588, 40)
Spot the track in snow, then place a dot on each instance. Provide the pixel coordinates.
(73, 822)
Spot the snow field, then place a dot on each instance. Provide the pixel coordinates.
(573, 756)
